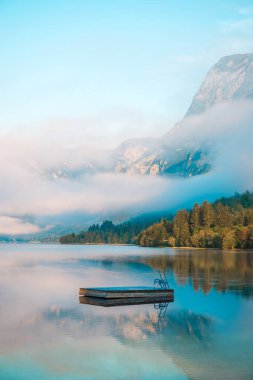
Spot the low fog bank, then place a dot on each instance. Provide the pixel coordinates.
(43, 178)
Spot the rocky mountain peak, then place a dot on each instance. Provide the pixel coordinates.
(231, 78)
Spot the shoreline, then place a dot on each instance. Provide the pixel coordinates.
(122, 245)
(161, 247)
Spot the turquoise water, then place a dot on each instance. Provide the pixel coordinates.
(45, 333)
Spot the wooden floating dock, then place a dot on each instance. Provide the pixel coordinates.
(138, 293)
(108, 302)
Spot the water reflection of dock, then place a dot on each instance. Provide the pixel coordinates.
(123, 301)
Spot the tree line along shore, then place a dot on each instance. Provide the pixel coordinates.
(226, 223)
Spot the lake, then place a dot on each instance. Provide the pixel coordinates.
(45, 333)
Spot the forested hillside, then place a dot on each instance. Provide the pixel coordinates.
(109, 233)
(227, 223)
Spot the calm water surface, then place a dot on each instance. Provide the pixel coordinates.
(45, 333)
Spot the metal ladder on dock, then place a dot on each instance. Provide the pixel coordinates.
(162, 281)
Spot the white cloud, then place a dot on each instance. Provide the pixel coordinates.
(15, 226)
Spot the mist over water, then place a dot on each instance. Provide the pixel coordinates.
(45, 332)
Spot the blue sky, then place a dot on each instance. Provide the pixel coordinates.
(118, 68)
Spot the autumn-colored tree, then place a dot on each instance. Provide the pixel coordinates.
(223, 216)
(195, 219)
(155, 235)
(206, 215)
(229, 240)
(181, 230)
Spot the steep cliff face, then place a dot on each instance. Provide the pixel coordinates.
(178, 152)
(163, 160)
(229, 79)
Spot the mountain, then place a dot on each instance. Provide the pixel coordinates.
(174, 154)
(133, 156)
(161, 159)
(177, 153)
(229, 79)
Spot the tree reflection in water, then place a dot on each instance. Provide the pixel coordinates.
(207, 269)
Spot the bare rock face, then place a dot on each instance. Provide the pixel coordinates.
(229, 79)
(178, 153)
